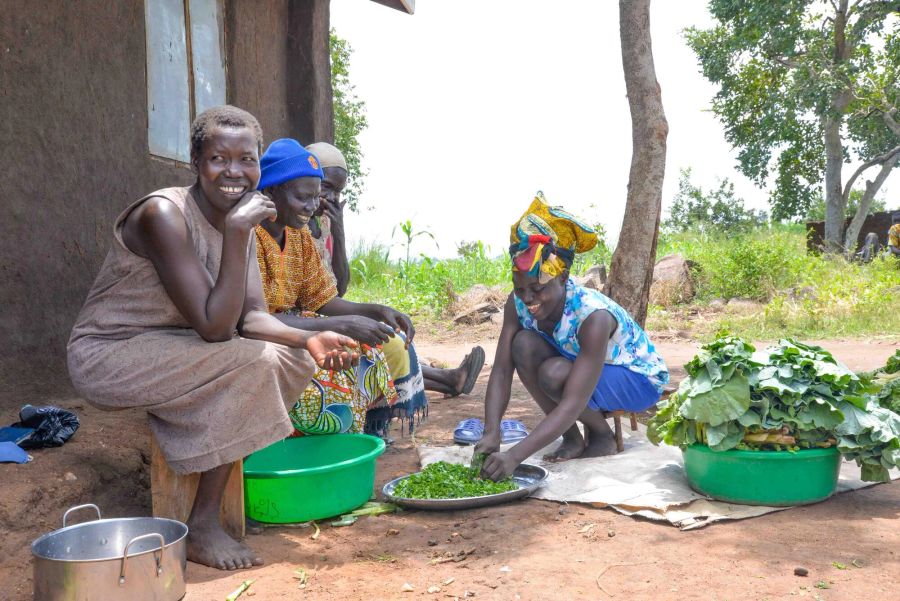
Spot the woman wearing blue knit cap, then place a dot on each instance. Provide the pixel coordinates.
(301, 293)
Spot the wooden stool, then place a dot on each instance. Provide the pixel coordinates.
(173, 494)
(617, 423)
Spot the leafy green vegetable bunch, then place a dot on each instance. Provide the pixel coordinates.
(442, 480)
(885, 383)
(790, 396)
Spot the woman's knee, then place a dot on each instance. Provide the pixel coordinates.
(552, 376)
(526, 347)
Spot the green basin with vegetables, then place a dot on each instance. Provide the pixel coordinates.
(310, 477)
(775, 478)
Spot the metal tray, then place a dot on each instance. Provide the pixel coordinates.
(528, 477)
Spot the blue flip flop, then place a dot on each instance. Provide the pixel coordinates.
(10, 452)
(512, 430)
(468, 431)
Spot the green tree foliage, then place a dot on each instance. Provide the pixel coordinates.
(349, 118)
(804, 86)
(718, 210)
(817, 208)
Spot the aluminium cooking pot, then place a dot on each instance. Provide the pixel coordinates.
(134, 559)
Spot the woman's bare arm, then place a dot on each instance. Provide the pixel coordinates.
(499, 384)
(157, 231)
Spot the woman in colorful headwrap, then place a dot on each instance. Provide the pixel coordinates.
(301, 293)
(576, 351)
(327, 230)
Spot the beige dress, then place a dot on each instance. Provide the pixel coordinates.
(208, 403)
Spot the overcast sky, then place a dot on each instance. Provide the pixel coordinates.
(474, 105)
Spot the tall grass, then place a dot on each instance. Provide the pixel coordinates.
(800, 295)
(836, 299)
(424, 286)
(752, 265)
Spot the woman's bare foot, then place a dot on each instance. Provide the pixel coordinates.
(600, 444)
(209, 545)
(572, 447)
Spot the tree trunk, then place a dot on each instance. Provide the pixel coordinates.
(865, 202)
(835, 202)
(631, 272)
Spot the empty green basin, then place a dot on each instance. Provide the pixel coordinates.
(763, 477)
(310, 477)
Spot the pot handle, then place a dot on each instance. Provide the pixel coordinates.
(77, 507)
(162, 544)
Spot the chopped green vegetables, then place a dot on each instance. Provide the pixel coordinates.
(442, 480)
(239, 590)
(370, 508)
(790, 396)
(478, 461)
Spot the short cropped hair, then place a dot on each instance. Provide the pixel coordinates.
(221, 116)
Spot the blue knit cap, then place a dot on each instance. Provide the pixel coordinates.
(284, 160)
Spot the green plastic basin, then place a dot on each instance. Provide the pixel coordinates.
(763, 477)
(310, 477)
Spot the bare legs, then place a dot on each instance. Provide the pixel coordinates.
(207, 543)
(454, 382)
(544, 373)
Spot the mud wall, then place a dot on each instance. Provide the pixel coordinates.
(878, 223)
(74, 148)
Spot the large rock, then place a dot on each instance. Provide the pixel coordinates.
(594, 277)
(477, 304)
(477, 314)
(673, 282)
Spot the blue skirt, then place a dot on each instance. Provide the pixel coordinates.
(618, 389)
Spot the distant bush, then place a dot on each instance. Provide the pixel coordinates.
(751, 265)
(714, 211)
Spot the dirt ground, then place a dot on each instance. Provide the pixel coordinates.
(527, 550)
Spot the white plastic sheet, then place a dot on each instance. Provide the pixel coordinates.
(644, 480)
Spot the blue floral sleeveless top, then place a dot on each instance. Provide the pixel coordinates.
(629, 345)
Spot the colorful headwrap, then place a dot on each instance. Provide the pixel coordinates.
(544, 241)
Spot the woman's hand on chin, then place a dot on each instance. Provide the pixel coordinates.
(332, 351)
(253, 208)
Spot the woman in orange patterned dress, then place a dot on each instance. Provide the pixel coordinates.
(301, 293)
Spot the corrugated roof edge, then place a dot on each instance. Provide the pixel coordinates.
(407, 6)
